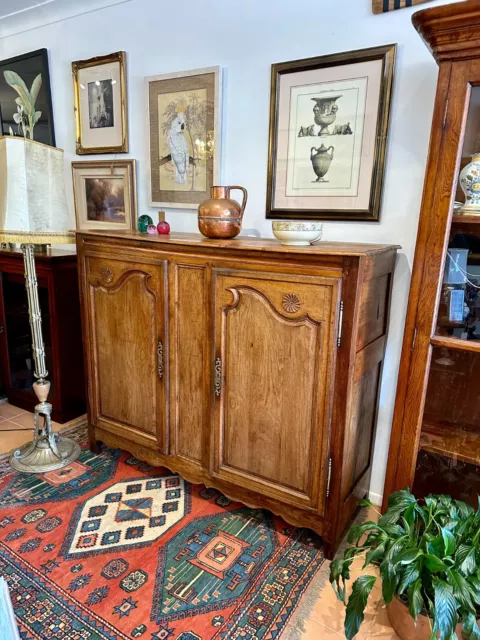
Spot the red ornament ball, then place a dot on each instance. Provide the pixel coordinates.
(163, 228)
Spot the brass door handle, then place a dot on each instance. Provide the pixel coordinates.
(160, 360)
(218, 377)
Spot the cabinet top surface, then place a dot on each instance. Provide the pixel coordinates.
(244, 242)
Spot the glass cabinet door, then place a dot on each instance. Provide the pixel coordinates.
(449, 454)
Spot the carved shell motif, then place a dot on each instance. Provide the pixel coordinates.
(291, 303)
(106, 274)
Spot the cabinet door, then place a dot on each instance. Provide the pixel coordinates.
(274, 356)
(126, 333)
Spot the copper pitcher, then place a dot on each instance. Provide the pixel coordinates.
(219, 216)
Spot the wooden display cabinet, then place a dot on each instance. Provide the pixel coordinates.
(241, 364)
(435, 442)
(59, 302)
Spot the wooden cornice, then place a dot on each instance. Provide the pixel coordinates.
(452, 31)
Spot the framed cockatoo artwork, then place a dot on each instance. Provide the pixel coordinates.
(184, 116)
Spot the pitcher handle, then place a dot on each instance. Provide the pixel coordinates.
(245, 197)
(331, 147)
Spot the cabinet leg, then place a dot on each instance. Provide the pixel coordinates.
(328, 550)
(95, 446)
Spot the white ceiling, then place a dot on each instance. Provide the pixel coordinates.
(17, 16)
(10, 7)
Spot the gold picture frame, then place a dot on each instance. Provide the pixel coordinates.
(105, 195)
(94, 85)
(349, 145)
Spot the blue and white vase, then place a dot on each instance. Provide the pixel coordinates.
(470, 183)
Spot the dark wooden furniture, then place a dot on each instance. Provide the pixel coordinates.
(241, 364)
(435, 442)
(59, 301)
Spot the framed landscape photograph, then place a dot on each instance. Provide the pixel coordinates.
(25, 97)
(100, 90)
(105, 194)
(329, 120)
(184, 117)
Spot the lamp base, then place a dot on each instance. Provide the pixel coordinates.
(42, 458)
(48, 451)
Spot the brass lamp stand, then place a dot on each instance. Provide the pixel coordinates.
(47, 451)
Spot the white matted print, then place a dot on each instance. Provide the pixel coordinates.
(328, 131)
(347, 98)
(105, 194)
(100, 104)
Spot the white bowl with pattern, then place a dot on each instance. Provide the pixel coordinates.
(298, 234)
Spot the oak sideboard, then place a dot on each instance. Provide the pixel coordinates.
(241, 364)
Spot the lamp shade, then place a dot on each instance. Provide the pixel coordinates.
(33, 205)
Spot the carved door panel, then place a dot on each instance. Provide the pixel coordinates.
(189, 362)
(274, 357)
(127, 339)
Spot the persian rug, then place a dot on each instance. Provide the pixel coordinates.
(382, 6)
(112, 548)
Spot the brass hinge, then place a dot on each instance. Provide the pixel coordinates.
(329, 477)
(160, 359)
(340, 325)
(218, 377)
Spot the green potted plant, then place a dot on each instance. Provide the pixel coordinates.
(428, 552)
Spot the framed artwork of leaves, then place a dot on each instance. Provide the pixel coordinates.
(25, 97)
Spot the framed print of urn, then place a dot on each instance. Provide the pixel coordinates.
(329, 120)
(184, 119)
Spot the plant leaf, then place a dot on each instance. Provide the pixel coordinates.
(410, 575)
(449, 540)
(461, 589)
(35, 89)
(475, 584)
(445, 609)
(339, 570)
(374, 555)
(16, 82)
(434, 564)
(436, 547)
(358, 530)
(10, 131)
(415, 599)
(38, 115)
(470, 630)
(465, 560)
(464, 509)
(389, 586)
(407, 557)
(365, 503)
(356, 604)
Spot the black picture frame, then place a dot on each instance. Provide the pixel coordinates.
(387, 55)
(28, 66)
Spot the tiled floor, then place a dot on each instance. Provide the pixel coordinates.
(326, 616)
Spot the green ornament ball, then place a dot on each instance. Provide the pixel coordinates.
(143, 222)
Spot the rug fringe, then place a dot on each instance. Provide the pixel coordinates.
(295, 628)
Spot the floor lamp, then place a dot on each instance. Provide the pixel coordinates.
(34, 213)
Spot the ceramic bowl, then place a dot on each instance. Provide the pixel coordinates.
(298, 234)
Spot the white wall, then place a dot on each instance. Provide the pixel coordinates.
(246, 38)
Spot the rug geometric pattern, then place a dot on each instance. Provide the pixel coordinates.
(114, 549)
